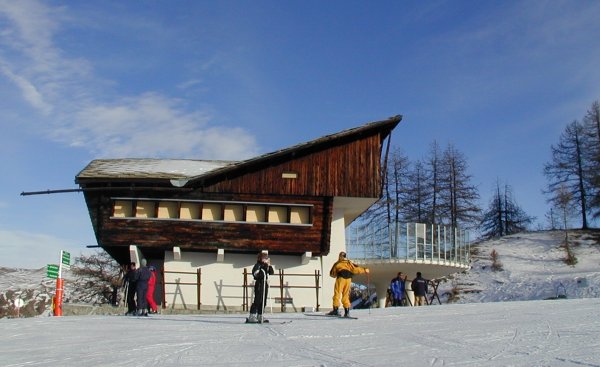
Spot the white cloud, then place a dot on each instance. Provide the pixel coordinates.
(31, 60)
(154, 125)
(65, 89)
(29, 91)
(31, 250)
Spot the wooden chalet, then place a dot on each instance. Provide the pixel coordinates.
(282, 202)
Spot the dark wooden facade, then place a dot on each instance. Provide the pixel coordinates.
(349, 169)
(346, 164)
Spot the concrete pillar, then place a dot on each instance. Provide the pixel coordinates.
(409, 293)
(381, 289)
(135, 255)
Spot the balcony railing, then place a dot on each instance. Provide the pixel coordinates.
(416, 242)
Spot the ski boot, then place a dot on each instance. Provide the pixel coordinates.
(252, 319)
(261, 319)
(346, 312)
(333, 312)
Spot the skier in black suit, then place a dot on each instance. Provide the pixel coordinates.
(261, 271)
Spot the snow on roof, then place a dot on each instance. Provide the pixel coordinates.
(150, 168)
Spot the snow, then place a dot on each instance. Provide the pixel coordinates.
(480, 329)
(528, 333)
(533, 269)
(148, 167)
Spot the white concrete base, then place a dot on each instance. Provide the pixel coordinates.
(383, 271)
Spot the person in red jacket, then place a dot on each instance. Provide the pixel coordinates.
(150, 294)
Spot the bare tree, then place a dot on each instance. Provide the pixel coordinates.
(504, 216)
(397, 183)
(434, 166)
(100, 275)
(592, 118)
(515, 218)
(492, 223)
(564, 201)
(568, 168)
(382, 217)
(552, 219)
(417, 207)
(591, 125)
(459, 196)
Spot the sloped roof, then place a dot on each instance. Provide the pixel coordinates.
(182, 171)
(134, 168)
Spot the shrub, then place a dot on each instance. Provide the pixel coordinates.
(496, 264)
(453, 294)
(570, 258)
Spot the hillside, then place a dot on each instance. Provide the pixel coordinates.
(36, 290)
(533, 268)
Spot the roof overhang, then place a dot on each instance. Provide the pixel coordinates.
(352, 207)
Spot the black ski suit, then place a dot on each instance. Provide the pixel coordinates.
(142, 289)
(260, 272)
(131, 280)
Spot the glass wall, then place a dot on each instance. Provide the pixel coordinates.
(409, 241)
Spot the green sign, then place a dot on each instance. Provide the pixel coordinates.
(52, 271)
(66, 258)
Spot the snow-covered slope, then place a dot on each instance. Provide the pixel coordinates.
(538, 332)
(36, 290)
(530, 333)
(533, 267)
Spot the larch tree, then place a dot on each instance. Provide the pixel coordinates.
(591, 125)
(381, 217)
(433, 163)
(568, 170)
(459, 196)
(504, 216)
(417, 206)
(397, 193)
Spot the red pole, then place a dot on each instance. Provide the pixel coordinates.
(58, 297)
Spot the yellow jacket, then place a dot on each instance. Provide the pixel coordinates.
(345, 269)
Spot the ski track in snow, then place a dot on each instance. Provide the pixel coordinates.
(529, 333)
(477, 330)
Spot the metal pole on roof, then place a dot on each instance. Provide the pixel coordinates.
(24, 193)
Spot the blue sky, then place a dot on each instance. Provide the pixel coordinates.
(233, 79)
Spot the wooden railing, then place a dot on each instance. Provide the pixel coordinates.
(282, 286)
(198, 285)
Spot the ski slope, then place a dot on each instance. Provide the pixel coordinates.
(481, 328)
(528, 333)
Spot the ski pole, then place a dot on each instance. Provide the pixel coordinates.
(369, 290)
(262, 306)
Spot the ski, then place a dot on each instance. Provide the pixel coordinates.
(331, 316)
(269, 322)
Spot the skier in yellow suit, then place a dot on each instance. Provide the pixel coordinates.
(343, 270)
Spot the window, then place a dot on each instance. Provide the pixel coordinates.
(212, 212)
(144, 209)
(122, 209)
(278, 214)
(217, 211)
(189, 211)
(255, 213)
(299, 215)
(234, 213)
(167, 209)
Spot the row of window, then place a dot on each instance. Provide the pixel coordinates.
(249, 212)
